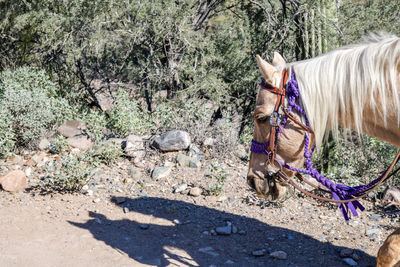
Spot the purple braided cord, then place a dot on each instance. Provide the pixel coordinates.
(339, 191)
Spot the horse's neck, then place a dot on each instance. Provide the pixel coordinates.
(374, 125)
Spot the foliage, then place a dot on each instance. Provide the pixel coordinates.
(126, 117)
(28, 107)
(71, 173)
(217, 173)
(108, 153)
(357, 161)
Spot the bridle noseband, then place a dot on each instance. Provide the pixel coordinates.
(345, 196)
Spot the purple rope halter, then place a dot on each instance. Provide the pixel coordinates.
(338, 191)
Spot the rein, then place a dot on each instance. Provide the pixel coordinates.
(344, 196)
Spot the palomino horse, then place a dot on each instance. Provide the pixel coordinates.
(353, 87)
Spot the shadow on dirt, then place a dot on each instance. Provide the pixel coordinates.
(184, 244)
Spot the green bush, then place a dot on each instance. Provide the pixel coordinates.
(71, 173)
(29, 107)
(126, 117)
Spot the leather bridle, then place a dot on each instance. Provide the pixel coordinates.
(270, 149)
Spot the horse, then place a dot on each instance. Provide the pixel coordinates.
(355, 87)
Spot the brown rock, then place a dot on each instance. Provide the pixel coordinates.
(195, 192)
(71, 128)
(82, 142)
(13, 181)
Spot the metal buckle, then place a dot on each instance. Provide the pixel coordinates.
(275, 119)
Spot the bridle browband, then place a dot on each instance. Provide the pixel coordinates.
(345, 196)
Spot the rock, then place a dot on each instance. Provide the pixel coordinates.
(372, 232)
(224, 230)
(355, 256)
(134, 146)
(259, 253)
(13, 181)
(234, 229)
(195, 152)
(241, 155)
(229, 262)
(208, 142)
(89, 192)
(96, 200)
(180, 188)
(212, 232)
(209, 251)
(195, 192)
(176, 221)
(125, 209)
(183, 160)
(350, 262)
(375, 217)
(71, 128)
(172, 141)
(44, 144)
(144, 226)
(346, 252)
(281, 255)
(81, 142)
(391, 196)
(160, 172)
(28, 171)
(194, 164)
(119, 200)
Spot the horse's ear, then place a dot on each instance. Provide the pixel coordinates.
(278, 60)
(266, 69)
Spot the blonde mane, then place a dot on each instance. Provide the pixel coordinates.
(338, 87)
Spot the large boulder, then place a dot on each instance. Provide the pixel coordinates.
(172, 141)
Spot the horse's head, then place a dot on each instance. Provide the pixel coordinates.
(288, 145)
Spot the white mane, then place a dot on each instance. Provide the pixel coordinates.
(348, 79)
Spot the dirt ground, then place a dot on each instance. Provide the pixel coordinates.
(143, 222)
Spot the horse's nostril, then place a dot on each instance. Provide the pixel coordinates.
(251, 182)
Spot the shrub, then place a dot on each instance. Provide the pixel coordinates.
(29, 107)
(126, 117)
(71, 173)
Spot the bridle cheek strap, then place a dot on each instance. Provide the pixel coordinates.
(275, 119)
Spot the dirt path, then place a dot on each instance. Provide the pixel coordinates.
(152, 226)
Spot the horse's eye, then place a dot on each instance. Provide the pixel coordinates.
(261, 117)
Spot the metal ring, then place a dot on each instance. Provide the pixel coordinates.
(276, 164)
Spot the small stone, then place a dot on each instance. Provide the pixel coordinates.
(127, 180)
(160, 172)
(259, 253)
(125, 209)
(180, 188)
(44, 144)
(290, 237)
(205, 233)
(28, 171)
(194, 164)
(120, 200)
(195, 191)
(375, 217)
(144, 226)
(209, 251)
(71, 128)
(96, 200)
(242, 232)
(281, 255)
(89, 192)
(346, 252)
(208, 142)
(176, 221)
(242, 155)
(183, 160)
(13, 181)
(234, 229)
(355, 256)
(98, 220)
(229, 262)
(372, 232)
(350, 262)
(224, 230)
(213, 232)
